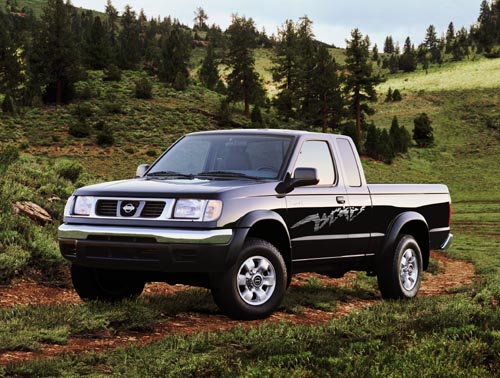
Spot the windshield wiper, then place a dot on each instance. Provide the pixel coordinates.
(227, 174)
(170, 174)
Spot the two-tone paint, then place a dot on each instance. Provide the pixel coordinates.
(347, 225)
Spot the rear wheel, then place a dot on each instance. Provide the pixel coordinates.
(106, 285)
(254, 287)
(400, 272)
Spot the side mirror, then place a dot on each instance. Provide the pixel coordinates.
(141, 169)
(301, 177)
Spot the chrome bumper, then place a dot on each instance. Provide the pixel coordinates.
(178, 236)
(448, 242)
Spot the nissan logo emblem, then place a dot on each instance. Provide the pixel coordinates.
(128, 208)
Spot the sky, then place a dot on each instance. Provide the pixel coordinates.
(333, 20)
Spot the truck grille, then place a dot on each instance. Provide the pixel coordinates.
(106, 208)
(128, 208)
(152, 209)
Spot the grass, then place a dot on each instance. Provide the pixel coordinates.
(479, 74)
(457, 335)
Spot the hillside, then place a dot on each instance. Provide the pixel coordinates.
(463, 102)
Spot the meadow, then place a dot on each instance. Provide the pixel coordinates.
(451, 335)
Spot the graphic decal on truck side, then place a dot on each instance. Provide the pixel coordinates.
(348, 213)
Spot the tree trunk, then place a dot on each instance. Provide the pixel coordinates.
(59, 92)
(325, 114)
(358, 117)
(247, 105)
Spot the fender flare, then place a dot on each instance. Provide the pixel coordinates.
(394, 230)
(243, 227)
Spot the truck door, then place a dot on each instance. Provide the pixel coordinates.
(317, 216)
(360, 205)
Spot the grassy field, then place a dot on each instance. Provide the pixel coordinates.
(456, 335)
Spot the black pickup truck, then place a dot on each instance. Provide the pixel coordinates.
(240, 211)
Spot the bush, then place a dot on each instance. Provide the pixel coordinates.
(9, 155)
(180, 82)
(8, 105)
(84, 91)
(69, 170)
(112, 107)
(143, 89)
(396, 95)
(224, 113)
(423, 131)
(105, 137)
(151, 153)
(112, 73)
(12, 259)
(256, 116)
(79, 129)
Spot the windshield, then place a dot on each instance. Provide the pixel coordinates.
(226, 155)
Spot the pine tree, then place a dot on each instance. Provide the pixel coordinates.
(176, 51)
(375, 55)
(285, 69)
(432, 44)
(450, 37)
(112, 31)
(360, 82)
(55, 60)
(385, 148)
(97, 46)
(408, 61)
(389, 45)
(423, 131)
(485, 33)
(209, 73)
(372, 141)
(327, 104)
(11, 61)
(129, 46)
(200, 19)
(243, 81)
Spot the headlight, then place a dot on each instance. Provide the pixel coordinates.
(83, 205)
(206, 210)
(69, 206)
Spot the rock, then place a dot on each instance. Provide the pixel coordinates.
(33, 211)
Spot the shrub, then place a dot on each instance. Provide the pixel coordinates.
(84, 91)
(396, 95)
(423, 131)
(112, 73)
(105, 137)
(256, 116)
(82, 111)
(388, 96)
(224, 113)
(12, 259)
(151, 153)
(143, 89)
(8, 105)
(112, 107)
(69, 170)
(180, 82)
(9, 155)
(79, 129)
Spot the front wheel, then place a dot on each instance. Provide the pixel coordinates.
(253, 287)
(106, 285)
(400, 272)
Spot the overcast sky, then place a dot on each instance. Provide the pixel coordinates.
(333, 20)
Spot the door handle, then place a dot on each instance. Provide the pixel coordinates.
(341, 200)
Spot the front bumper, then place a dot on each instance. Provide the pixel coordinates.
(146, 249)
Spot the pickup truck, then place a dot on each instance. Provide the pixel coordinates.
(240, 211)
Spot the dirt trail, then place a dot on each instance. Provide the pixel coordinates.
(455, 274)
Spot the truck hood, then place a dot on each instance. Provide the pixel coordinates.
(161, 188)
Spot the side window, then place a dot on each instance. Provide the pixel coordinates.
(316, 154)
(350, 164)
